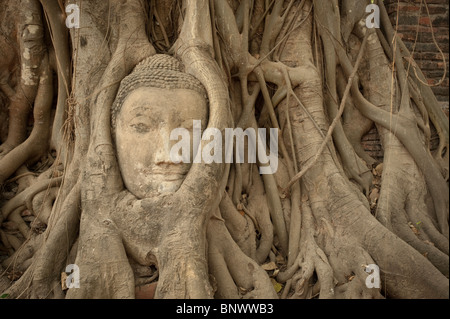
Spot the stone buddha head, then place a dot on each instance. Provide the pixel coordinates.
(156, 98)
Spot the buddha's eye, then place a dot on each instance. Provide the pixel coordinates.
(140, 128)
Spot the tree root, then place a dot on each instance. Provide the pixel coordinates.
(37, 142)
(52, 257)
(24, 254)
(226, 262)
(42, 204)
(345, 217)
(257, 204)
(310, 259)
(354, 124)
(241, 227)
(61, 65)
(30, 192)
(405, 126)
(31, 53)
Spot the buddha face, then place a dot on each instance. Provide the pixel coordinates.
(146, 119)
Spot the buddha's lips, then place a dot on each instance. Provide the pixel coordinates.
(170, 174)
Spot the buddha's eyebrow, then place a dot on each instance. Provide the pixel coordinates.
(140, 110)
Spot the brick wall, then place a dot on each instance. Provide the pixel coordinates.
(427, 55)
(410, 20)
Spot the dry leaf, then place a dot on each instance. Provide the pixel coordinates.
(26, 212)
(8, 225)
(278, 287)
(379, 169)
(269, 266)
(14, 275)
(429, 242)
(243, 291)
(280, 259)
(63, 281)
(413, 228)
(374, 195)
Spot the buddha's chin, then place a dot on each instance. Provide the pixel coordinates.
(156, 185)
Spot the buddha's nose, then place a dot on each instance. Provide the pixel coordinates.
(162, 152)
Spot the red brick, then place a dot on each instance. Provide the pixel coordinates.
(425, 20)
(146, 291)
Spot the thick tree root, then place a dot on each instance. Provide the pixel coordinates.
(30, 52)
(37, 143)
(226, 262)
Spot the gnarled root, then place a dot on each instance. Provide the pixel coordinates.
(37, 143)
(30, 54)
(236, 274)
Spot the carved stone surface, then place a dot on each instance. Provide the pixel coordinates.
(154, 100)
